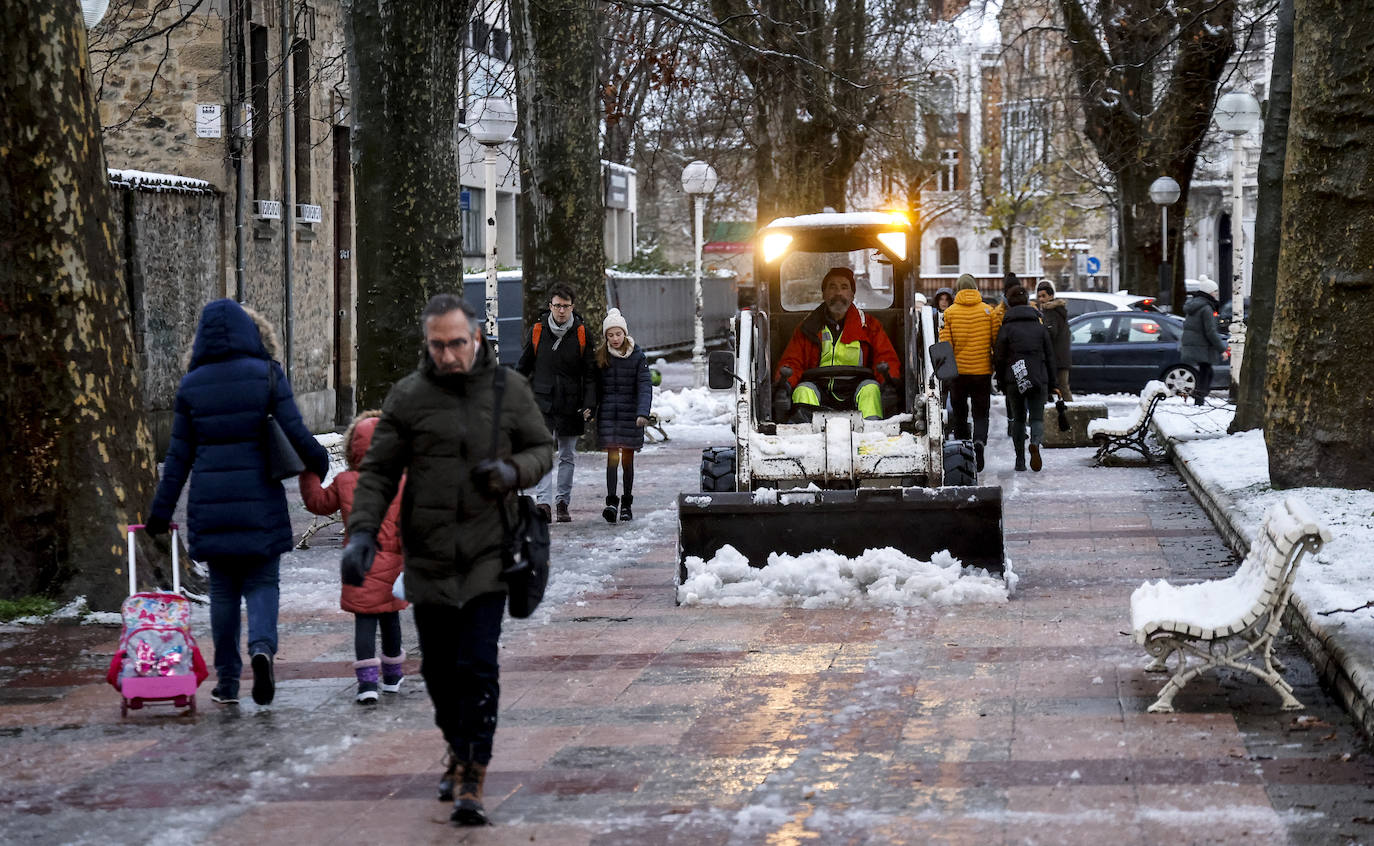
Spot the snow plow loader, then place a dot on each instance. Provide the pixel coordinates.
(800, 478)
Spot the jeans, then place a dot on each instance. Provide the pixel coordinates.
(234, 581)
(459, 648)
(567, 454)
(365, 634)
(1030, 404)
(978, 391)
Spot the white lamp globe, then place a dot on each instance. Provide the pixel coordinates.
(699, 178)
(1237, 112)
(493, 121)
(1164, 191)
(93, 10)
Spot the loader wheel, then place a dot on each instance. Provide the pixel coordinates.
(717, 469)
(959, 463)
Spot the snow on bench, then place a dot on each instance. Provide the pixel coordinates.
(1227, 622)
(1116, 433)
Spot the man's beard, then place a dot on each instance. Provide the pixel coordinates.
(836, 306)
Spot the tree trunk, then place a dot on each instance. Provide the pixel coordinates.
(78, 455)
(1259, 316)
(555, 51)
(1317, 421)
(404, 66)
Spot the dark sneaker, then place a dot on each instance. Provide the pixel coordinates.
(225, 694)
(545, 512)
(1020, 462)
(367, 693)
(264, 686)
(560, 510)
(978, 455)
(1036, 463)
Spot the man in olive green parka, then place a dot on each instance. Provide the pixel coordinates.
(436, 429)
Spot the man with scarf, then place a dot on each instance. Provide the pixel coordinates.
(837, 333)
(560, 362)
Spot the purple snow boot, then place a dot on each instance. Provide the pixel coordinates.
(392, 674)
(367, 671)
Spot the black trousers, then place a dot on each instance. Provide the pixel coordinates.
(459, 649)
(365, 634)
(975, 390)
(1204, 383)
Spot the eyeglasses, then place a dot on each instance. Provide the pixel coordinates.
(456, 345)
(561, 306)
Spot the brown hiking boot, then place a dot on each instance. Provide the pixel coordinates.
(468, 810)
(1035, 462)
(561, 510)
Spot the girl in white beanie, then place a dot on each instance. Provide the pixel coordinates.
(625, 394)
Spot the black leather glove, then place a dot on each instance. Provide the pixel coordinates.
(357, 557)
(496, 476)
(782, 396)
(155, 526)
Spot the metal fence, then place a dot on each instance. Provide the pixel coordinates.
(660, 310)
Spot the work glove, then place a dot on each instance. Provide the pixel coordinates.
(495, 476)
(641, 422)
(782, 395)
(155, 526)
(357, 557)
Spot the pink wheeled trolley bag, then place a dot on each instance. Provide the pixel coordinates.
(157, 659)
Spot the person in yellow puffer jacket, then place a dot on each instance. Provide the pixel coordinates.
(971, 327)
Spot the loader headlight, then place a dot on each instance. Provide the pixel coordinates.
(895, 242)
(774, 245)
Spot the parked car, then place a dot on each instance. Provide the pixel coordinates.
(1086, 302)
(1119, 351)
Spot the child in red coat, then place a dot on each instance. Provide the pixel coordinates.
(372, 603)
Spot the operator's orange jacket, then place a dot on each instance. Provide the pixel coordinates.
(971, 328)
(804, 349)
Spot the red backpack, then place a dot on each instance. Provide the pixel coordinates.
(581, 336)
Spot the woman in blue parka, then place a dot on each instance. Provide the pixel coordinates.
(625, 394)
(236, 515)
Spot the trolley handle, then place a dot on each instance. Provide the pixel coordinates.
(176, 562)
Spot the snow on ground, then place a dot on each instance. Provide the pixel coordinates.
(826, 579)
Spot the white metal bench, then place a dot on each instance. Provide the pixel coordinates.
(1229, 622)
(1116, 433)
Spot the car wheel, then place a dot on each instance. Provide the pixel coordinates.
(717, 469)
(1181, 379)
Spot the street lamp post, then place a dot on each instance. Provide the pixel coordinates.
(698, 180)
(493, 125)
(1237, 113)
(1164, 192)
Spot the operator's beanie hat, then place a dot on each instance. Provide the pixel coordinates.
(840, 271)
(614, 319)
(1045, 286)
(966, 283)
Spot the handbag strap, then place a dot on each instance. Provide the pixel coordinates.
(271, 388)
(498, 387)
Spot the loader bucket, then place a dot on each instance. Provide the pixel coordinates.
(919, 522)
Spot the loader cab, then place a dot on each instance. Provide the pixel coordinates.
(791, 257)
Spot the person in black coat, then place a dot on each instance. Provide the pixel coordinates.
(626, 396)
(559, 359)
(1054, 313)
(1023, 359)
(236, 514)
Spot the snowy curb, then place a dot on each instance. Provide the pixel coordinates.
(1350, 676)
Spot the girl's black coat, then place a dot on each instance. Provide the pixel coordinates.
(1023, 336)
(625, 392)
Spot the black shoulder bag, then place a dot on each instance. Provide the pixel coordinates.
(525, 551)
(279, 454)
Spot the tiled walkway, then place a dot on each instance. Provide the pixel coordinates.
(627, 720)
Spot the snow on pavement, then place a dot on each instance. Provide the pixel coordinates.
(826, 579)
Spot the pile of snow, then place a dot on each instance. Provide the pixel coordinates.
(694, 406)
(826, 579)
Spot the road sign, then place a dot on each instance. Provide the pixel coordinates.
(1094, 265)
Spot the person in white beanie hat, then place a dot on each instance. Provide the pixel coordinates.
(625, 396)
(1202, 345)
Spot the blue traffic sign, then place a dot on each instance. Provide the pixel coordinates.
(1094, 265)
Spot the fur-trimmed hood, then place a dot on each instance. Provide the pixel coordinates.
(358, 437)
(229, 329)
